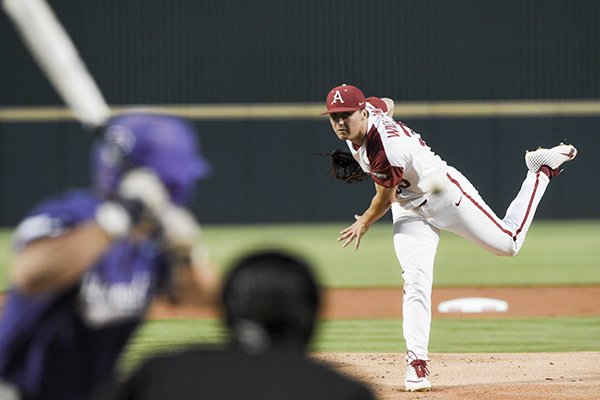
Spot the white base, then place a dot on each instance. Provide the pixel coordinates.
(473, 305)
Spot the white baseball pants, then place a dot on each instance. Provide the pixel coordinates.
(457, 208)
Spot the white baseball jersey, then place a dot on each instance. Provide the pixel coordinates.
(394, 155)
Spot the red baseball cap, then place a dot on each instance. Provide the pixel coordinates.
(344, 98)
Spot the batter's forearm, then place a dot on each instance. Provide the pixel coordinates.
(55, 263)
(196, 284)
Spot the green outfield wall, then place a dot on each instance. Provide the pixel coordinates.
(281, 51)
(481, 81)
(265, 170)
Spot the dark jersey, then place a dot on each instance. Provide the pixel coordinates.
(59, 345)
(216, 374)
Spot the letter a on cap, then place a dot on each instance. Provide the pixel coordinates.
(337, 96)
(352, 99)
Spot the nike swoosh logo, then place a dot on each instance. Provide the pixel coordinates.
(360, 104)
(458, 202)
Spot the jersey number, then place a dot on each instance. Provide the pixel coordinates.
(402, 185)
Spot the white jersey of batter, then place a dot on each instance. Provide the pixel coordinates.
(433, 196)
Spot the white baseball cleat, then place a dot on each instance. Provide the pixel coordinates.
(416, 371)
(552, 158)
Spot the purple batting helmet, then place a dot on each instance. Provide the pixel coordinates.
(164, 143)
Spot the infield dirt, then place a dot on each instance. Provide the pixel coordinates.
(506, 376)
(387, 303)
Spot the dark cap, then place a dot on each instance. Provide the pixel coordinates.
(271, 298)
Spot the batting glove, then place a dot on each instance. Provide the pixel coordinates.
(181, 234)
(140, 192)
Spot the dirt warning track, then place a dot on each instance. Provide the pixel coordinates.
(387, 302)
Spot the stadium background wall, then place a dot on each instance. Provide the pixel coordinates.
(196, 53)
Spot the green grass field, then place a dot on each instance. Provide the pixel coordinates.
(555, 253)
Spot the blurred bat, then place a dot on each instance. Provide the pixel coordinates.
(56, 55)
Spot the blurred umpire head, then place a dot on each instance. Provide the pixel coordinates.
(270, 302)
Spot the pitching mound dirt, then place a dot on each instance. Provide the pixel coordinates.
(534, 376)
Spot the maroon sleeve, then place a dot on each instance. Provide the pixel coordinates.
(377, 103)
(382, 172)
